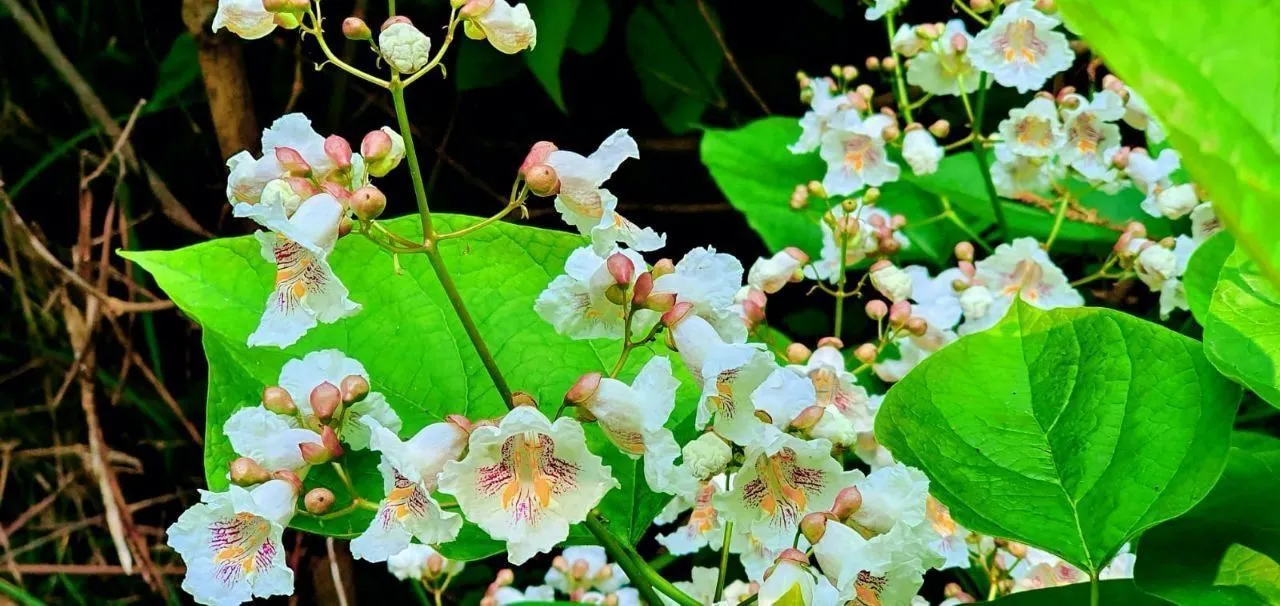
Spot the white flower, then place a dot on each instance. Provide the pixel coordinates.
(246, 18)
(791, 583)
(576, 302)
(527, 480)
(1175, 202)
(703, 528)
(1155, 264)
(890, 496)
(951, 543)
(940, 70)
(784, 395)
(584, 568)
(881, 8)
(825, 111)
(854, 234)
(706, 456)
(701, 585)
(921, 151)
(1020, 48)
(405, 47)
(855, 155)
(248, 175)
(271, 440)
(416, 561)
(582, 203)
(1204, 222)
(511, 595)
(781, 480)
(1138, 115)
(231, 545)
(1092, 135)
(892, 282)
(409, 475)
(708, 280)
(1034, 130)
(771, 274)
(836, 390)
(1020, 268)
(508, 28)
(732, 373)
(1041, 569)
(975, 301)
(1013, 174)
(883, 569)
(633, 418)
(933, 300)
(306, 290)
(1173, 295)
(300, 377)
(1152, 175)
(906, 42)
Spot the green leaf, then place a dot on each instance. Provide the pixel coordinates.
(757, 174)
(1203, 80)
(1242, 333)
(590, 27)
(1071, 430)
(677, 59)
(479, 65)
(1109, 592)
(179, 69)
(1202, 271)
(1224, 551)
(415, 350)
(555, 21)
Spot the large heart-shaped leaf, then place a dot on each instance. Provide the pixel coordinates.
(1242, 332)
(1235, 532)
(1201, 275)
(1071, 430)
(1205, 70)
(1109, 592)
(677, 60)
(410, 341)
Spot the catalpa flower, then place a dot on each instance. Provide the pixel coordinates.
(583, 568)
(300, 377)
(782, 479)
(951, 543)
(1020, 48)
(856, 234)
(230, 543)
(270, 439)
(941, 69)
(1019, 268)
(582, 203)
(1138, 115)
(708, 281)
(508, 28)
(419, 562)
(880, 8)
(1173, 295)
(245, 18)
(934, 300)
(290, 147)
(409, 475)
(783, 396)
(1034, 131)
(576, 303)
(1092, 135)
(1040, 569)
(1014, 174)
(527, 480)
(791, 582)
(921, 151)
(845, 403)
(1204, 222)
(771, 274)
(1151, 176)
(825, 110)
(855, 155)
(633, 418)
(703, 528)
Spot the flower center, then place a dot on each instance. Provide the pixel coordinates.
(1034, 131)
(782, 487)
(1086, 133)
(241, 546)
(527, 475)
(1026, 277)
(1019, 43)
(859, 151)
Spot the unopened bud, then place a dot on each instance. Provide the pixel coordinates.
(899, 313)
(940, 129)
(368, 202)
(247, 472)
(1066, 97)
(871, 195)
(917, 326)
(375, 145)
(663, 267)
(475, 8)
(543, 180)
(354, 28)
(959, 42)
(660, 301)
(345, 225)
(980, 6)
(325, 400)
(1120, 159)
(816, 189)
(318, 500)
(866, 91)
(849, 72)
(1046, 6)
(877, 309)
(538, 154)
(504, 577)
(848, 502)
(616, 294)
(964, 251)
(814, 525)
(277, 400)
(808, 417)
(315, 454)
(889, 64)
(522, 398)
(641, 290)
(292, 161)
(794, 555)
(752, 313)
(873, 64)
(897, 221)
(891, 132)
(329, 438)
(435, 565)
(888, 245)
(339, 150)
(621, 268)
(394, 20)
(290, 477)
(798, 353)
(1136, 228)
(866, 353)
(584, 389)
(676, 314)
(859, 102)
(1017, 550)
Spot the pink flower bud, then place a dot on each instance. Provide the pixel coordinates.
(368, 202)
(435, 565)
(794, 555)
(375, 145)
(967, 268)
(337, 191)
(302, 186)
(663, 267)
(325, 400)
(877, 309)
(1121, 158)
(329, 438)
(940, 129)
(899, 313)
(660, 301)
(247, 472)
(345, 225)
(394, 20)
(808, 417)
(889, 64)
(339, 150)
(354, 28)
(641, 290)
(290, 477)
(292, 161)
(964, 251)
(917, 326)
(277, 400)
(1122, 243)
(676, 314)
(834, 342)
(814, 526)
(959, 42)
(873, 64)
(318, 500)
(866, 353)
(538, 154)
(523, 398)
(543, 180)
(475, 9)
(584, 389)
(848, 502)
(798, 353)
(314, 454)
(752, 313)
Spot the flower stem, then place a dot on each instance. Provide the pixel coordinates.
(724, 562)
(900, 85)
(1094, 590)
(411, 158)
(640, 577)
(1057, 222)
(980, 150)
(317, 30)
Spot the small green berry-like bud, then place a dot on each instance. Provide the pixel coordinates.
(543, 180)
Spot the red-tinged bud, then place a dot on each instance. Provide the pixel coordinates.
(794, 555)
(621, 268)
(676, 314)
(981, 6)
(917, 326)
(1136, 228)
(292, 161)
(752, 313)
(435, 565)
(368, 202)
(814, 526)
(339, 150)
(866, 353)
(641, 290)
(663, 267)
(579, 569)
(800, 256)
(940, 129)
(329, 438)
(354, 28)
(798, 353)
(277, 400)
(1017, 550)
(1065, 97)
(888, 245)
(325, 400)
(315, 454)
(474, 9)
(538, 154)
(898, 221)
(247, 472)
(808, 417)
(1046, 6)
(959, 42)
(302, 186)
(1121, 158)
(848, 502)
(523, 398)
(504, 577)
(543, 180)
(872, 64)
(899, 313)
(375, 145)
(967, 268)
(835, 342)
(660, 301)
(584, 389)
(877, 309)
(889, 64)
(964, 251)
(1123, 242)
(859, 102)
(891, 133)
(394, 20)
(318, 500)
(345, 225)
(290, 477)
(337, 191)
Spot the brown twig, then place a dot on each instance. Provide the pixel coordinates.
(93, 569)
(728, 56)
(71, 527)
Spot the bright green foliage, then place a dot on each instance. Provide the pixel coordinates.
(1202, 272)
(1071, 430)
(1224, 551)
(677, 59)
(1122, 592)
(1203, 67)
(1242, 332)
(415, 350)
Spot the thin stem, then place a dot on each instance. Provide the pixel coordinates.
(318, 32)
(1057, 222)
(411, 158)
(619, 554)
(346, 479)
(481, 225)
(627, 313)
(844, 255)
(900, 85)
(724, 562)
(391, 8)
(964, 6)
(979, 149)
